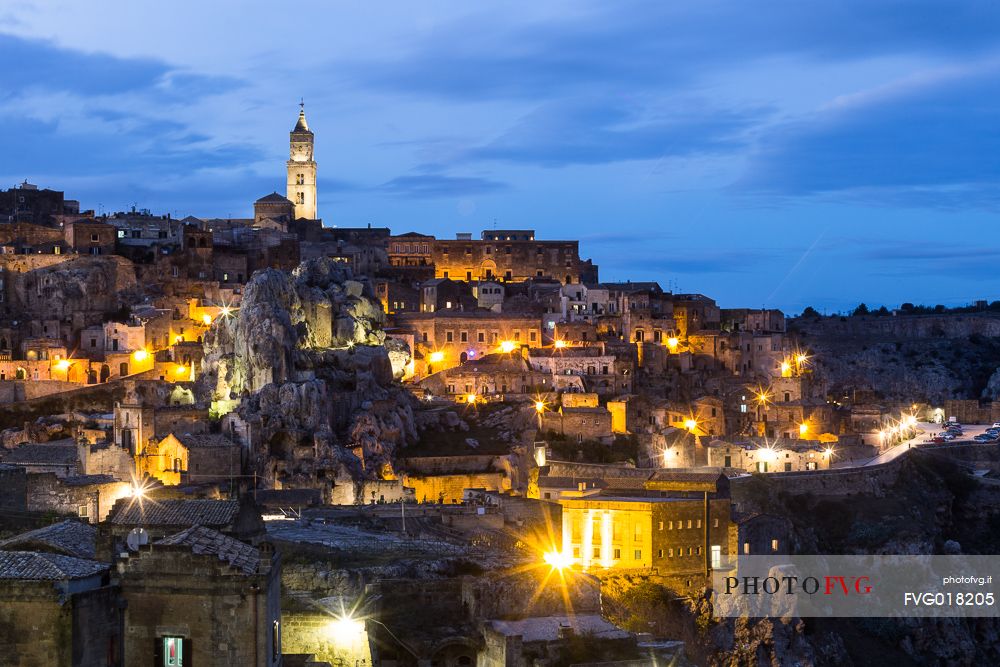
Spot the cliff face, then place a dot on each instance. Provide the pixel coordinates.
(305, 358)
(926, 358)
(934, 507)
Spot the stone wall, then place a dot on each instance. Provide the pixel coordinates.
(316, 632)
(450, 488)
(34, 628)
(47, 493)
(972, 412)
(13, 488)
(871, 480)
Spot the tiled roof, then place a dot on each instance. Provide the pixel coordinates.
(173, 512)
(204, 540)
(548, 482)
(204, 440)
(46, 567)
(69, 537)
(624, 482)
(87, 480)
(57, 452)
(274, 197)
(708, 475)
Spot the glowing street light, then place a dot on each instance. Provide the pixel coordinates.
(437, 357)
(507, 346)
(140, 355)
(558, 560)
(539, 407)
(63, 365)
(207, 319)
(560, 344)
(225, 311)
(471, 399)
(180, 370)
(801, 359)
(345, 629)
(672, 343)
(690, 424)
(786, 369)
(803, 428)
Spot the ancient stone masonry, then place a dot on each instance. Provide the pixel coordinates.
(304, 364)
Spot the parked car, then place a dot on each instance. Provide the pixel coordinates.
(938, 440)
(996, 425)
(985, 437)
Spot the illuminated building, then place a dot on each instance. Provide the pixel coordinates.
(673, 522)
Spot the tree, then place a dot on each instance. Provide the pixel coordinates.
(862, 309)
(810, 312)
(882, 312)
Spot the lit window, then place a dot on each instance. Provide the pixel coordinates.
(746, 547)
(774, 545)
(173, 652)
(82, 511)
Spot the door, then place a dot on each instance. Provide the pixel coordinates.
(716, 556)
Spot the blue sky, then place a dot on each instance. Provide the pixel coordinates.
(780, 154)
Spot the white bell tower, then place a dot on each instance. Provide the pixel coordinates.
(302, 169)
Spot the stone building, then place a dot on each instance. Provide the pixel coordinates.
(492, 375)
(204, 597)
(88, 237)
(275, 208)
(778, 456)
(600, 371)
(674, 522)
(27, 203)
(510, 256)
(57, 610)
(447, 338)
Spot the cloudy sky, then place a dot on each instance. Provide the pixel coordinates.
(784, 153)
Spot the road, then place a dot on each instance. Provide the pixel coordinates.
(925, 431)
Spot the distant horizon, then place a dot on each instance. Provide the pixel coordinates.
(779, 157)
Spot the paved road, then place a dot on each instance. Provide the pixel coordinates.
(925, 432)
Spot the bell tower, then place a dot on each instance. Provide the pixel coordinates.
(302, 169)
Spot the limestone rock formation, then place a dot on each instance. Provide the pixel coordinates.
(305, 364)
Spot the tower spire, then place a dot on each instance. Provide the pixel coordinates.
(301, 125)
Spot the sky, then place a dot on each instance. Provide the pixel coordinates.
(777, 154)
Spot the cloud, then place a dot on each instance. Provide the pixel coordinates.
(429, 186)
(591, 132)
(701, 261)
(43, 65)
(933, 142)
(624, 45)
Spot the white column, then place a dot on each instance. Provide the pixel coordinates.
(606, 520)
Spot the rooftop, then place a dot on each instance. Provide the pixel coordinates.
(69, 538)
(173, 512)
(46, 566)
(202, 540)
(57, 452)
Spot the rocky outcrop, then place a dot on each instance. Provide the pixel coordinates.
(306, 358)
(911, 359)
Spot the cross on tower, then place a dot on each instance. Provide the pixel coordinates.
(302, 103)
